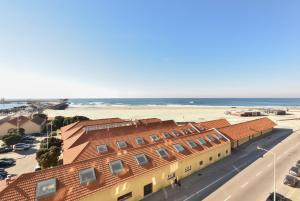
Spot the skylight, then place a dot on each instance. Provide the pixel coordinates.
(191, 143)
(178, 147)
(176, 133)
(87, 176)
(162, 153)
(185, 131)
(210, 138)
(102, 148)
(139, 140)
(219, 136)
(192, 130)
(202, 141)
(167, 135)
(46, 188)
(122, 144)
(141, 159)
(116, 166)
(154, 137)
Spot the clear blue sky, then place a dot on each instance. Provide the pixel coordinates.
(150, 48)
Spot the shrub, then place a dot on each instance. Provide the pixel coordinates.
(48, 157)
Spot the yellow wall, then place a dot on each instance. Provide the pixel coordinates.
(29, 127)
(159, 176)
(4, 128)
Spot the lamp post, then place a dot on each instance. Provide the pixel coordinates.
(274, 157)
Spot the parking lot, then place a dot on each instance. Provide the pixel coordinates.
(25, 160)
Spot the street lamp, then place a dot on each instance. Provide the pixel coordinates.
(274, 157)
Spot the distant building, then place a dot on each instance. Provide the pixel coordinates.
(30, 125)
(245, 113)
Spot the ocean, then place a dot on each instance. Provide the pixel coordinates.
(188, 102)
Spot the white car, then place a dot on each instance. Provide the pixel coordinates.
(21, 146)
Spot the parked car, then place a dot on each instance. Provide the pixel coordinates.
(28, 139)
(3, 175)
(8, 159)
(6, 149)
(294, 171)
(2, 170)
(37, 168)
(290, 180)
(298, 164)
(4, 163)
(278, 197)
(21, 146)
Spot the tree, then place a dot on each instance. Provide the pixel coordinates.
(11, 139)
(19, 131)
(48, 157)
(57, 122)
(70, 120)
(52, 141)
(40, 115)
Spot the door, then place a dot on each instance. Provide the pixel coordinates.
(147, 189)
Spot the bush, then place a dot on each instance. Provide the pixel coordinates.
(11, 139)
(54, 133)
(19, 131)
(48, 157)
(52, 141)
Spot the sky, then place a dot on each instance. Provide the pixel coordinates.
(149, 48)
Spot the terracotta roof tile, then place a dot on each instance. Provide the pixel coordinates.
(218, 123)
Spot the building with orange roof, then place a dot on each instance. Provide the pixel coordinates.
(218, 123)
(245, 131)
(121, 163)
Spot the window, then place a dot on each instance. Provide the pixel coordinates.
(139, 140)
(219, 136)
(116, 166)
(167, 135)
(122, 144)
(201, 163)
(162, 153)
(192, 144)
(202, 141)
(141, 159)
(154, 138)
(46, 188)
(125, 197)
(188, 168)
(210, 138)
(176, 133)
(219, 155)
(185, 131)
(102, 148)
(178, 147)
(210, 158)
(171, 176)
(87, 176)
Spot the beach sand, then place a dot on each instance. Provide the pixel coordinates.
(179, 114)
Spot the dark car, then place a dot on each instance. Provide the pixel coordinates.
(294, 171)
(290, 180)
(12, 160)
(5, 163)
(6, 149)
(278, 197)
(3, 175)
(298, 164)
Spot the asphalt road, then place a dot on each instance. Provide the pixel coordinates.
(245, 173)
(257, 181)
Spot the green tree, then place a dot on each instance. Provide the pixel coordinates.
(70, 120)
(11, 139)
(19, 131)
(57, 122)
(48, 157)
(41, 115)
(52, 141)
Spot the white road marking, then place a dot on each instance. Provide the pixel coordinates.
(228, 198)
(237, 169)
(258, 173)
(245, 184)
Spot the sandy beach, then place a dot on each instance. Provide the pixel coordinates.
(179, 114)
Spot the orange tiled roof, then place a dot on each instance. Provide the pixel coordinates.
(248, 128)
(68, 185)
(149, 120)
(218, 123)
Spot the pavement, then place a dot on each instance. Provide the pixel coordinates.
(247, 174)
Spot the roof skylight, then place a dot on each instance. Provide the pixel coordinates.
(167, 135)
(210, 138)
(87, 176)
(46, 188)
(116, 166)
(139, 140)
(141, 159)
(154, 137)
(176, 133)
(202, 141)
(162, 152)
(102, 148)
(192, 144)
(178, 147)
(122, 144)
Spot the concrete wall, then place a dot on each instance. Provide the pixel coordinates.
(159, 177)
